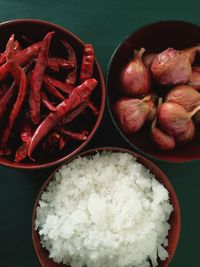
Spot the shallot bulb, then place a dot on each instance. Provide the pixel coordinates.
(162, 140)
(153, 98)
(131, 114)
(171, 67)
(184, 95)
(174, 119)
(188, 134)
(195, 78)
(135, 78)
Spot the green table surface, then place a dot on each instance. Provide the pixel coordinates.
(104, 24)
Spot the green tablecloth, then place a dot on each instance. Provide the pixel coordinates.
(104, 24)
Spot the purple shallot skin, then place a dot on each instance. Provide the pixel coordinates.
(171, 67)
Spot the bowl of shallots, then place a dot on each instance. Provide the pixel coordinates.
(52, 94)
(153, 90)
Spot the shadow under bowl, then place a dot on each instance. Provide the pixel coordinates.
(154, 38)
(174, 221)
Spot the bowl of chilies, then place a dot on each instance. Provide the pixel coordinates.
(52, 94)
(153, 90)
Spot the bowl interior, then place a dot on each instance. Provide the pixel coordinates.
(35, 30)
(174, 221)
(154, 38)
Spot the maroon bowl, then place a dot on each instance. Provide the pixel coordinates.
(175, 221)
(35, 30)
(154, 38)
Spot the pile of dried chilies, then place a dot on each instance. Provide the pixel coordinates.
(41, 95)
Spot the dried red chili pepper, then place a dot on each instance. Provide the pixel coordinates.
(5, 100)
(68, 89)
(87, 63)
(17, 49)
(55, 64)
(22, 58)
(76, 136)
(52, 90)
(76, 98)
(72, 75)
(37, 78)
(21, 152)
(14, 68)
(53, 138)
(9, 94)
(87, 71)
(63, 141)
(60, 85)
(19, 77)
(72, 115)
(92, 106)
(46, 102)
(26, 134)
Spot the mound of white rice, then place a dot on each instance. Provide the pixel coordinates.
(106, 210)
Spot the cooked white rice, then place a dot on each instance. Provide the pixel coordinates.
(106, 210)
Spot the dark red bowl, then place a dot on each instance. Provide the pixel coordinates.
(154, 38)
(174, 220)
(35, 30)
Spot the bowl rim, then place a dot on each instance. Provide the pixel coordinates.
(32, 166)
(145, 162)
(127, 36)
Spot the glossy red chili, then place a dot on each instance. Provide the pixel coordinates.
(22, 58)
(37, 78)
(72, 75)
(55, 64)
(76, 136)
(26, 134)
(46, 102)
(19, 77)
(78, 96)
(52, 89)
(87, 63)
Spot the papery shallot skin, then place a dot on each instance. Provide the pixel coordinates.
(162, 140)
(171, 67)
(184, 95)
(173, 118)
(135, 79)
(131, 114)
(188, 135)
(194, 80)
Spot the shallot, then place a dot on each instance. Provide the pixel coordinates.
(184, 95)
(188, 134)
(195, 78)
(135, 78)
(162, 140)
(131, 113)
(174, 119)
(171, 67)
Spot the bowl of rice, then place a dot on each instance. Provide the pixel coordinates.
(106, 207)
